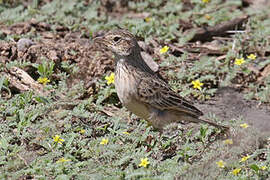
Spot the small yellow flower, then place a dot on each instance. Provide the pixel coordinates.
(228, 141)
(61, 160)
(251, 56)
(43, 80)
(263, 168)
(164, 50)
(147, 19)
(221, 164)
(144, 162)
(239, 61)
(57, 139)
(244, 158)
(127, 133)
(110, 79)
(244, 125)
(208, 17)
(82, 131)
(205, 1)
(197, 84)
(104, 141)
(236, 171)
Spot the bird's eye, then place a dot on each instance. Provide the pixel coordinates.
(116, 39)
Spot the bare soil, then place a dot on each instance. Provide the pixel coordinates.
(93, 62)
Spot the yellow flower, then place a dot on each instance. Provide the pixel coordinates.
(263, 168)
(244, 158)
(244, 125)
(197, 84)
(57, 139)
(239, 61)
(104, 141)
(82, 131)
(228, 141)
(205, 1)
(110, 79)
(221, 164)
(236, 171)
(144, 162)
(207, 16)
(147, 19)
(61, 160)
(127, 133)
(43, 80)
(251, 56)
(164, 50)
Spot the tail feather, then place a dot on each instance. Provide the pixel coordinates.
(214, 124)
(197, 120)
(161, 119)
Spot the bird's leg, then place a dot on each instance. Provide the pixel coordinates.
(129, 118)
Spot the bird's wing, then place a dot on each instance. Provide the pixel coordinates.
(157, 93)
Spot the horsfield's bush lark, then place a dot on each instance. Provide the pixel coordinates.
(141, 90)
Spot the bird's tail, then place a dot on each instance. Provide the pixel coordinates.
(214, 124)
(197, 120)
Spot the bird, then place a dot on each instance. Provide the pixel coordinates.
(141, 90)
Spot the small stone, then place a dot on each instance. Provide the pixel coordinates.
(24, 43)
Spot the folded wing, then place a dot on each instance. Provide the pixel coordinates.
(154, 91)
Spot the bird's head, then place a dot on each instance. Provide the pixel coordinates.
(121, 42)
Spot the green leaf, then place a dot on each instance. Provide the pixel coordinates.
(1, 82)
(254, 167)
(41, 99)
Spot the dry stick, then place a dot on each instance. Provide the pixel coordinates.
(22, 81)
(207, 33)
(197, 49)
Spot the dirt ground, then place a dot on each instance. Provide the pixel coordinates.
(93, 62)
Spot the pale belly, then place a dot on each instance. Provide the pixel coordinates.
(128, 99)
(138, 109)
(126, 89)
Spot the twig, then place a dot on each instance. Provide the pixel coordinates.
(207, 33)
(22, 81)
